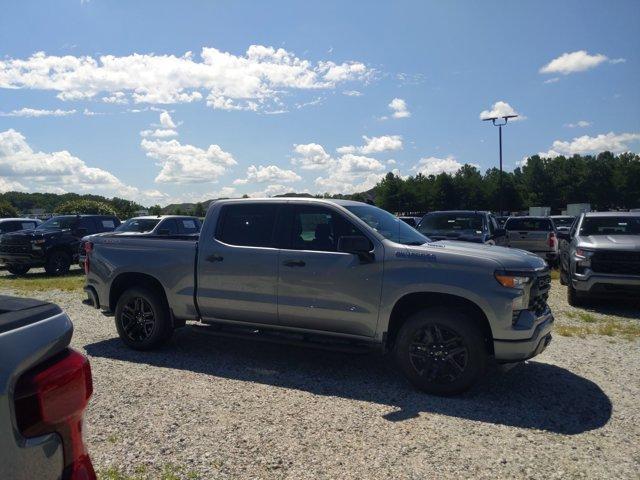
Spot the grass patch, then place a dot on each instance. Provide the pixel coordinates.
(585, 317)
(555, 274)
(610, 328)
(38, 282)
(142, 472)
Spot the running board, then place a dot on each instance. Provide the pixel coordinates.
(285, 338)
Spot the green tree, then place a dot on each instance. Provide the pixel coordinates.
(7, 210)
(199, 210)
(85, 207)
(155, 210)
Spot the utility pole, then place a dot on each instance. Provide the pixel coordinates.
(505, 119)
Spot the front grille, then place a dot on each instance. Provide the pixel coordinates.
(15, 240)
(615, 262)
(14, 248)
(540, 293)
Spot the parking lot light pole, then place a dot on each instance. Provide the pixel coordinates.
(505, 119)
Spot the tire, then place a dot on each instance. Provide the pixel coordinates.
(142, 318)
(431, 366)
(574, 298)
(18, 269)
(563, 276)
(58, 263)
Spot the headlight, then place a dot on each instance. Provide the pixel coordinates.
(38, 241)
(512, 280)
(581, 253)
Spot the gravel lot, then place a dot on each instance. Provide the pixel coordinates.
(207, 407)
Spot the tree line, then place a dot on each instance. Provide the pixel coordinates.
(606, 181)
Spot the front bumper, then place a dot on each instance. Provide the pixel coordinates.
(605, 284)
(33, 258)
(518, 350)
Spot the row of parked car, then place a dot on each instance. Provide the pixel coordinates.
(598, 253)
(56, 244)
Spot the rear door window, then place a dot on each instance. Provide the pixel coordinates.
(168, 226)
(89, 224)
(188, 226)
(250, 225)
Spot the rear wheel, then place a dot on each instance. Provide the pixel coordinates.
(142, 318)
(58, 263)
(441, 351)
(18, 269)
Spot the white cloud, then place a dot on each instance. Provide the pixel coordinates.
(37, 112)
(399, 108)
(270, 191)
(187, 163)
(311, 156)
(576, 62)
(617, 60)
(159, 133)
(7, 185)
(118, 98)
(374, 145)
(251, 81)
(585, 144)
(434, 165)
(578, 124)
(352, 93)
(90, 113)
(552, 80)
(351, 173)
(166, 121)
(270, 173)
(27, 170)
(501, 109)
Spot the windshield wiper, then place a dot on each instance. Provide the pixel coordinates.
(415, 243)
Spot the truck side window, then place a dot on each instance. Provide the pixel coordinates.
(88, 224)
(318, 228)
(249, 225)
(188, 226)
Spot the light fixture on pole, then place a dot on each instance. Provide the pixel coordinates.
(505, 119)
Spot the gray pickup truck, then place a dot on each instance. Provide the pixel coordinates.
(534, 234)
(44, 390)
(322, 271)
(601, 257)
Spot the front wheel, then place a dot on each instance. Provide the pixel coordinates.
(142, 319)
(441, 351)
(574, 298)
(58, 263)
(18, 269)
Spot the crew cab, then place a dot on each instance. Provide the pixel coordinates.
(535, 234)
(44, 390)
(601, 257)
(329, 271)
(52, 244)
(463, 225)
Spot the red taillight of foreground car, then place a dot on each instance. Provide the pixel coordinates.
(52, 398)
(88, 248)
(552, 240)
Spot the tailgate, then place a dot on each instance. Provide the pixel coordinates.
(30, 332)
(533, 241)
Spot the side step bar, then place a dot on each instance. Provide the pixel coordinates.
(285, 338)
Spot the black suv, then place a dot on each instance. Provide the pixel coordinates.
(53, 244)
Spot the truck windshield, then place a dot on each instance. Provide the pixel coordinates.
(610, 226)
(138, 225)
(529, 224)
(62, 223)
(387, 225)
(434, 223)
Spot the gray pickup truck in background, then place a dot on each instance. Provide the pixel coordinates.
(44, 389)
(601, 256)
(334, 271)
(463, 225)
(534, 234)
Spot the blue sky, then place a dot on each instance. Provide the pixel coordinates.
(102, 97)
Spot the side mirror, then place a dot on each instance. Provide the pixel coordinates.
(564, 235)
(357, 245)
(499, 232)
(163, 231)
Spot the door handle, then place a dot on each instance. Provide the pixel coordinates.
(214, 258)
(294, 263)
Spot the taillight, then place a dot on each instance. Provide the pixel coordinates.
(51, 398)
(88, 248)
(552, 239)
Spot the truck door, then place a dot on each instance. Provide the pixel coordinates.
(320, 288)
(238, 266)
